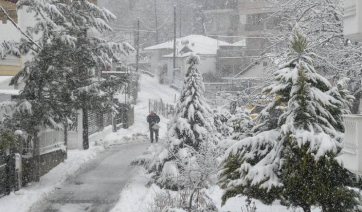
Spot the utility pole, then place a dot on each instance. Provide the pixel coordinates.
(136, 83)
(138, 44)
(180, 19)
(155, 4)
(174, 37)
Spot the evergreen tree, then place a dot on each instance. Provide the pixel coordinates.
(61, 75)
(191, 128)
(294, 158)
(193, 122)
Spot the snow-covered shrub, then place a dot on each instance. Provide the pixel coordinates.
(8, 139)
(223, 128)
(293, 157)
(241, 124)
(162, 73)
(249, 205)
(167, 200)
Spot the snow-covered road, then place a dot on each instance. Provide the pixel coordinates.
(105, 166)
(96, 187)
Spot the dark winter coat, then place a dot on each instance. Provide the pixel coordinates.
(153, 119)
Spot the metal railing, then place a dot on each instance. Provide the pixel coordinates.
(50, 140)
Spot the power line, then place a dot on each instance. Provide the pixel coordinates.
(135, 30)
(160, 25)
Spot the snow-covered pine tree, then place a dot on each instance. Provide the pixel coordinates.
(188, 130)
(61, 76)
(294, 161)
(336, 55)
(192, 123)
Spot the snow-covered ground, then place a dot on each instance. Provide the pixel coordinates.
(136, 196)
(23, 199)
(150, 89)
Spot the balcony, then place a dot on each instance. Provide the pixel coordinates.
(353, 20)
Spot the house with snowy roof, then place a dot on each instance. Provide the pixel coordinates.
(203, 46)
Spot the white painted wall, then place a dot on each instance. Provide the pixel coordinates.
(8, 32)
(352, 150)
(26, 20)
(258, 70)
(353, 20)
(207, 64)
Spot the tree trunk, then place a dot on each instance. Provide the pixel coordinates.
(306, 208)
(66, 138)
(190, 202)
(85, 129)
(36, 158)
(356, 103)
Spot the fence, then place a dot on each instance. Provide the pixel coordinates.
(8, 177)
(51, 140)
(97, 121)
(161, 108)
(3, 175)
(125, 115)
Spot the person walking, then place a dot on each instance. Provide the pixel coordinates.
(153, 119)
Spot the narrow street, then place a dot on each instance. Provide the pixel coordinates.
(96, 187)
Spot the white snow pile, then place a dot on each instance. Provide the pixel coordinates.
(23, 199)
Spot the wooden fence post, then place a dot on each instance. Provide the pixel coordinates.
(114, 124)
(149, 105)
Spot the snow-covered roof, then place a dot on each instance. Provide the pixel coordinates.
(199, 44)
(239, 43)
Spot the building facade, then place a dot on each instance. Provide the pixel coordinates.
(222, 20)
(9, 65)
(353, 20)
(245, 23)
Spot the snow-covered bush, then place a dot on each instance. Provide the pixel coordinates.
(8, 139)
(293, 157)
(162, 73)
(167, 200)
(240, 126)
(223, 128)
